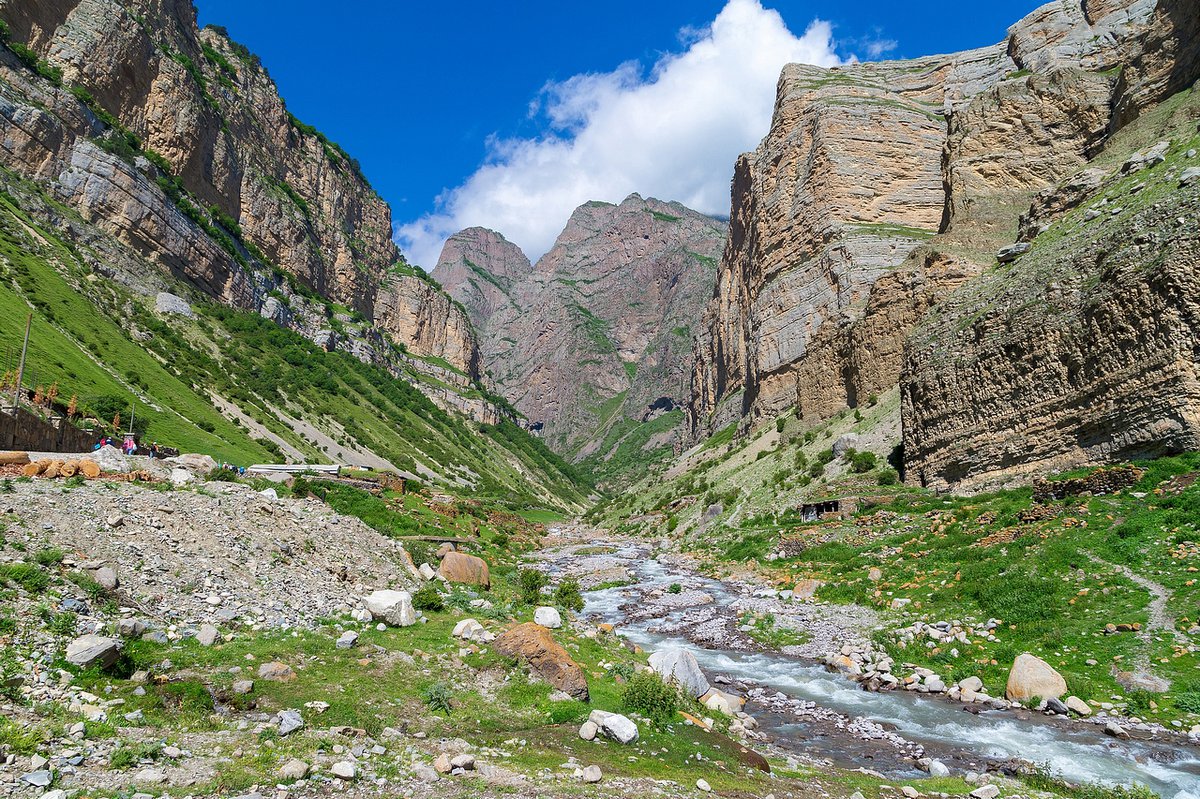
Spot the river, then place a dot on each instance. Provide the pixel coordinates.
(1078, 752)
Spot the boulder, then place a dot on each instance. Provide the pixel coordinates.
(1012, 252)
(1078, 706)
(533, 644)
(679, 665)
(721, 702)
(93, 650)
(1031, 677)
(588, 731)
(208, 635)
(592, 774)
(346, 640)
(197, 464)
(344, 770)
(274, 671)
(293, 770)
(615, 726)
(289, 721)
(465, 569)
(393, 607)
(547, 617)
(806, 589)
(106, 576)
(427, 572)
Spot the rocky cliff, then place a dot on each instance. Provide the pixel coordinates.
(176, 141)
(596, 337)
(1084, 349)
(882, 188)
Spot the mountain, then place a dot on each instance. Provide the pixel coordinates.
(878, 202)
(593, 343)
(195, 252)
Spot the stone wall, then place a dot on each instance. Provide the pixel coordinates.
(24, 431)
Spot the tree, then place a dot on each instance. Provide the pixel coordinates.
(73, 407)
(39, 396)
(52, 393)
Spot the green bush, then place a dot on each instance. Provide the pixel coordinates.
(568, 596)
(1188, 701)
(428, 598)
(500, 540)
(30, 576)
(674, 588)
(862, 462)
(1138, 702)
(530, 583)
(888, 477)
(301, 487)
(129, 755)
(647, 694)
(49, 557)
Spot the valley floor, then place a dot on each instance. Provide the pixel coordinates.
(242, 611)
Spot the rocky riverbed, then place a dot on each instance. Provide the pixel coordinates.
(814, 701)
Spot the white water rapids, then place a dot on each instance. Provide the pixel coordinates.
(1075, 752)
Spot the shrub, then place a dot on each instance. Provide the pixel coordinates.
(428, 598)
(1138, 702)
(49, 557)
(128, 755)
(220, 475)
(672, 523)
(62, 623)
(674, 588)
(29, 576)
(647, 694)
(301, 487)
(438, 697)
(779, 424)
(568, 595)
(825, 456)
(500, 540)
(888, 477)
(862, 462)
(531, 582)
(1188, 701)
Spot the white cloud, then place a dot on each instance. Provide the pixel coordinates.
(673, 134)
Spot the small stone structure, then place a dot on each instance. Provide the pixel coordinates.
(1101, 481)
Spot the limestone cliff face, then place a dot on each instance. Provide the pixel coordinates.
(881, 188)
(599, 330)
(1083, 351)
(204, 139)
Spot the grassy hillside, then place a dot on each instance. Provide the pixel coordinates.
(237, 386)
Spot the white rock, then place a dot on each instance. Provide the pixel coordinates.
(588, 730)
(620, 728)
(986, 792)
(702, 785)
(344, 770)
(547, 617)
(592, 774)
(393, 607)
(678, 664)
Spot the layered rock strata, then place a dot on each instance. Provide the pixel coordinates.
(175, 141)
(881, 188)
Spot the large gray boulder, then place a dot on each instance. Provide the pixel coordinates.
(392, 607)
(679, 665)
(93, 650)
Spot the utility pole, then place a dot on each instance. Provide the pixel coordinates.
(21, 368)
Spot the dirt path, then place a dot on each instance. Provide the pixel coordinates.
(1160, 617)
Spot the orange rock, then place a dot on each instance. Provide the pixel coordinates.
(533, 644)
(466, 569)
(89, 469)
(14, 458)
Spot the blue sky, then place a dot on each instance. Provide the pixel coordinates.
(510, 114)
